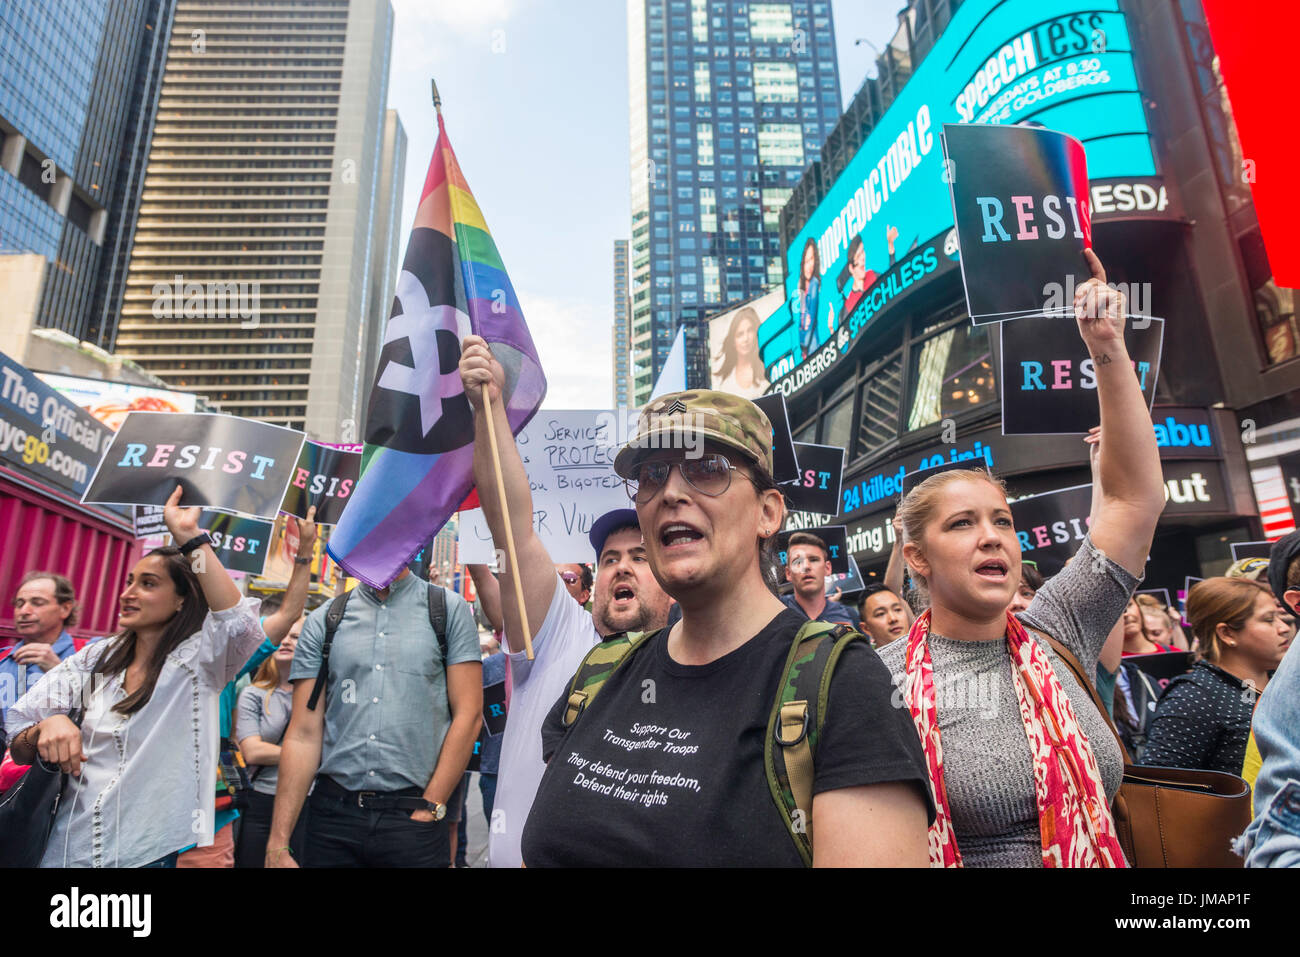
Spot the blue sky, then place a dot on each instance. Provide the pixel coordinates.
(535, 100)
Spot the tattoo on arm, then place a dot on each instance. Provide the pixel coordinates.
(1103, 359)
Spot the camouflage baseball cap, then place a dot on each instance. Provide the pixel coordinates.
(720, 417)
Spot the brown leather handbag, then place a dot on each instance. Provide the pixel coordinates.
(1171, 817)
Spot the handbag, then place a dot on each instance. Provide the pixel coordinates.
(1171, 817)
(27, 811)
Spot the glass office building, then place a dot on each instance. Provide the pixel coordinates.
(729, 102)
(79, 88)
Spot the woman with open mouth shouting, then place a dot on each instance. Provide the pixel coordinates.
(701, 744)
(1022, 764)
(143, 761)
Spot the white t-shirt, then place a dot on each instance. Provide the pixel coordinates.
(559, 646)
(148, 786)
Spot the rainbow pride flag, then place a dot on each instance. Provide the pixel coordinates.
(417, 467)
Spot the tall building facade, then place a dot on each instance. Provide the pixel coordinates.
(77, 101)
(729, 99)
(261, 271)
(622, 328)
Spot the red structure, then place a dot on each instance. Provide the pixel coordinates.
(46, 529)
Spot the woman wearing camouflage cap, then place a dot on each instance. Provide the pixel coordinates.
(666, 765)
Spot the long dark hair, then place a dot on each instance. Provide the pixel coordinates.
(730, 358)
(183, 624)
(817, 264)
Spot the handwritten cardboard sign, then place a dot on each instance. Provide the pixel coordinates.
(569, 458)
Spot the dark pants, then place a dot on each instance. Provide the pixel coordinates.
(255, 828)
(460, 798)
(168, 861)
(487, 786)
(341, 835)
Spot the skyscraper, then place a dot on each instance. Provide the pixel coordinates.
(622, 328)
(77, 102)
(729, 100)
(262, 267)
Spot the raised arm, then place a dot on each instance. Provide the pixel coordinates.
(1132, 489)
(277, 625)
(219, 590)
(894, 570)
(489, 595)
(479, 370)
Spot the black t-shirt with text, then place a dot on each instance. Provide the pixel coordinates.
(665, 766)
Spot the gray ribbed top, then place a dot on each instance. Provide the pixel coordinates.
(987, 766)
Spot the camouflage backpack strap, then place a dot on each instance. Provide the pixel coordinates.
(601, 662)
(796, 723)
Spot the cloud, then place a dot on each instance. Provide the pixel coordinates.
(573, 339)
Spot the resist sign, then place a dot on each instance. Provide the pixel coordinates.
(220, 461)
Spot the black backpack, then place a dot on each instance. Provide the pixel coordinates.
(334, 615)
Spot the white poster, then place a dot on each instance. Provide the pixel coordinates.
(569, 458)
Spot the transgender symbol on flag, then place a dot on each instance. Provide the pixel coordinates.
(417, 387)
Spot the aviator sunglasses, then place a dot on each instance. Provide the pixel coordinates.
(709, 474)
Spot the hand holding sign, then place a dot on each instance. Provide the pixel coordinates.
(183, 523)
(1099, 309)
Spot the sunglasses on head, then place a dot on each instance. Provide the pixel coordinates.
(709, 474)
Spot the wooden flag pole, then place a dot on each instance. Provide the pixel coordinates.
(510, 535)
(501, 484)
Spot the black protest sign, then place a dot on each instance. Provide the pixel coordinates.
(324, 476)
(1161, 593)
(149, 521)
(494, 707)
(476, 756)
(785, 465)
(1290, 466)
(835, 537)
(1052, 525)
(240, 543)
(1020, 201)
(821, 473)
(849, 583)
(967, 461)
(1186, 590)
(1242, 550)
(1163, 666)
(1049, 380)
(220, 461)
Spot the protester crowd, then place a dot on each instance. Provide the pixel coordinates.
(665, 704)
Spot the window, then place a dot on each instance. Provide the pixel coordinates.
(774, 201)
(712, 287)
(837, 422)
(708, 210)
(704, 144)
(770, 23)
(881, 392)
(951, 373)
(780, 144)
(775, 83)
(702, 81)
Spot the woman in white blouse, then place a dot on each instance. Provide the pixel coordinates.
(143, 762)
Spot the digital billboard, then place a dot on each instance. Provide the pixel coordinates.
(109, 402)
(886, 224)
(734, 362)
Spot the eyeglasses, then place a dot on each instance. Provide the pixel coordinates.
(709, 474)
(570, 578)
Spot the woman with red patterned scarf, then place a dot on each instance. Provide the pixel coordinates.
(1022, 764)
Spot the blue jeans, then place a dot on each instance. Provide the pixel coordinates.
(1273, 838)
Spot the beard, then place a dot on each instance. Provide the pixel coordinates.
(638, 616)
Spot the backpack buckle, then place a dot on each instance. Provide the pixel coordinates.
(793, 713)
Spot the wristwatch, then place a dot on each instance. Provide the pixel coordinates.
(302, 560)
(198, 541)
(437, 809)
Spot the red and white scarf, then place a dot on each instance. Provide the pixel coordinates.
(1074, 819)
